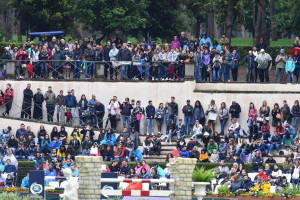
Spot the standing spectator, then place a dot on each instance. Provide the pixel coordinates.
(276, 115)
(188, 113)
(112, 113)
(217, 67)
(43, 56)
(224, 41)
(150, 111)
(296, 173)
(99, 112)
(90, 68)
(280, 64)
(106, 58)
(182, 39)
(261, 44)
(223, 116)
(264, 61)
(57, 57)
(172, 56)
(113, 56)
(126, 108)
(212, 111)
(234, 59)
(159, 116)
(235, 110)
(70, 102)
(297, 65)
(82, 108)
(124, 56)
(52, 43)
(6, 56)
(156, 145)
(296, 116)
(38, 100)
(27, 102)
(34, 58)
(49, 97)
(59, 102)
(136, 116)
(174, 109)
(77, 57)
(198, 113)
(163, 67)
(205, 39)
(296, 42)
(22, 56)
(175, 43)
(285, 111)
(289, 69)
(225, 64)
(251, 66)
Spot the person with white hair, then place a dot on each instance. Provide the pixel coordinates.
(264, 61)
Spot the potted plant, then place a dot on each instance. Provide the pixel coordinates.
(201, 178)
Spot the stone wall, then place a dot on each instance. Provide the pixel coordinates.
(181, 171)
(89, 177)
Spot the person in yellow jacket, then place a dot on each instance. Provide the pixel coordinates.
(203, 156)
(266, 186)
(77, 133)
(257, 186)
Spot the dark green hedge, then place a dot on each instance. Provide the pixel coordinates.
(23, 169)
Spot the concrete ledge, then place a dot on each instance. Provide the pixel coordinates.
(246, 88)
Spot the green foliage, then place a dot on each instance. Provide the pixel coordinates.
(290, 192)
(224, 190)
(23, 169)
(202, 175)
(16, 196)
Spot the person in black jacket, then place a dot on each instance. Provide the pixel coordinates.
(235, 110)
(246, 184)
(90, 68)
(253, 132)
(125, 56)
(75, 144)
(38, 100)
(108, 65)
(126, 112)
(179, 74)
(156, 145)
(174, 108)
(98, 53)
(108, 154)
(114, 167)
(188, 114)
(261, 44)
(150, 111)
(39, 161)
(100, 111)
(27, 101)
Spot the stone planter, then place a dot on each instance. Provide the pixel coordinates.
(200, 188)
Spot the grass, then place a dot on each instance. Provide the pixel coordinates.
(234, 41)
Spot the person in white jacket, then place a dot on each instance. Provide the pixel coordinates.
(197, 130)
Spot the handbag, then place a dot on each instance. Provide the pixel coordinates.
(260, 119)
(139, 117)
(278, 116)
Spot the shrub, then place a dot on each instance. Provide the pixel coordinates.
(23, 169)
(202, 175)
(224, 190)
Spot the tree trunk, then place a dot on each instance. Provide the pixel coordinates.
(9, 25)
(260, 23)
(18, 30)
(210, 24)
(229, 19)
(273, 20)
(197, 29)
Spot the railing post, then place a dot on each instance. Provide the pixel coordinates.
(10, 69)
(100, 70)
(189, 71)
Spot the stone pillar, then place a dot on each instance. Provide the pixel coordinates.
(10, 69)
(189, 71)
(90, 168)
(181, 171)
(100, 70)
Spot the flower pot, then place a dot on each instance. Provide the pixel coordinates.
(200, 188)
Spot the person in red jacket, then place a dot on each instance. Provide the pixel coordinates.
(262, 174)
(8, 98)
(252, 114)
(22, 57)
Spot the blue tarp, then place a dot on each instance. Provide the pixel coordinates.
(49, 33)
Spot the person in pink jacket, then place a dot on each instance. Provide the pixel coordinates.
(175, 43)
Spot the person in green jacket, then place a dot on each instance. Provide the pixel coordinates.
(289, 68)
(211, 146)
(160, 171)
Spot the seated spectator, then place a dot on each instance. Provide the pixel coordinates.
(261, 174)
(9, 155)
(280, 129)
(227, 137)
(234, 129)
(2, 180)
(68, 164)
(61, 153)
(119, 153)
(147, 146)
(138, 167)
(276, 172)
(229, 159)
(86, 151)
(231, 147)
(169, 155)
(265, 127)
(205, 139)
(124, 134)
(88, 131)
(76, 133)
(108, 154)
(54, 133)
(21, 140)
(12, 144)
(243, 150)
(167, 170)
(9, 181)
(55, 143)
(270, 159)
(95, 150)
(74, 171)
(214, 157)
(159, 170)
(257, 161)
(180, 143)
(223, 168)
(135, 154)
(54, 157)
(21, 152)
(254, 133)
(184, 153)
(203, 156)
(191, 144)
(238, 160)
(194, 153)
(146, 166)
(257, 185)
(287, 165)
(275, 142)
(45, 143)
(288, 133)
(63, 135)
(211, 146)
(86, 143)
(154, 175)
(10, 168)
(156, 145)
(75, 144)
(236, 184)
(266, 187)
(171, 131)
(105, 168)
(131, 174)
(5, 134)
(25, 182)
(144, 174)
(134, 136)
(109, 138)
(31, 151)
(278, 184)
(38, 162)
(180, 129)
(267, 170)
(125, 168)
(197, 131)
(114, 167)
(296, 173)
(222, 154)
(128, 147)
(294, 145)
(262, 146)
(51, 172)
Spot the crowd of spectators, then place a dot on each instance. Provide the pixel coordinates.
(212, 60)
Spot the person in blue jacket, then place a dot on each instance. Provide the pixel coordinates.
(184, 153)
(205, 39)
(25, 182)
(257, 162)
(262, 147)
(150, 111)
(109, 138)
(135, 154)
(251, 67)
(71, 102)
(55, 143)
(234, 59)
(275, 142)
